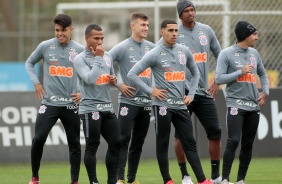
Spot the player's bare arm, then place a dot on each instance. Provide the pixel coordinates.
(213, 89)
(159, 93)
(112, 80)
(39, 91)
(126, 90)
(98, 51)
(262, 98)
(75, 98)
(187, 100)
(247, 69)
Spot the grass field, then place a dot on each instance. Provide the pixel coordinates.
(261, 171)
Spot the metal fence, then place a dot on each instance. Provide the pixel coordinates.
(34, 24)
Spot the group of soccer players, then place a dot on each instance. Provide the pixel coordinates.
(77, 83)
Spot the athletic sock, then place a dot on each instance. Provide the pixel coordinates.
(183, 169)
(215, 164)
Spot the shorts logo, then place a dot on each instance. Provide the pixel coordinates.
(162, 111)
(123, 111)
(42, 109)
(95, 115)
(233, 111)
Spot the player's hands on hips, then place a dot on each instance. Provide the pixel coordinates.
(98, 51)
(39, 91)
(213, 89)
(187, 100)
(159, 93)
(75, 98)
(126, 90)
(262, 98)
(112, 80)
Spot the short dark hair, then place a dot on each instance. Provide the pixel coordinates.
(137, 15)
(63, 20)
(166, 22)
(91, 27)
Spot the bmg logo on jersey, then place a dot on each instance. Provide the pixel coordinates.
(61, 71)
(174, 76)
(250, 78)
(146, 73)
(103, 79)
(200, 57)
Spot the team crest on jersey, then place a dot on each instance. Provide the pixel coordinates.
(107, 60)
(233, 111)
(95, 115)
(123, 111)
(42, 109)
(163, 53)
(72, 56)
(181, 59)
(52, 46)
(253, 62)
(201, 32)
(181, 35)
(236, 54)
(130, 47)
(203, 40)
(162, 111)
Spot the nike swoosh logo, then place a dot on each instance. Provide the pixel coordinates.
(75, 112)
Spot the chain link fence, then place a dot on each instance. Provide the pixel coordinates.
(33, 23)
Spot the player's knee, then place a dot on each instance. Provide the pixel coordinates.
(214, 134)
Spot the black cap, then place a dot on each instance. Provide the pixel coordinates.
(182, 4)
(243, 30)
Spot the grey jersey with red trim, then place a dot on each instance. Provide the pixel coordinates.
(93, 75)
(241, 90)
(127, 53)
(200, 40)
(168, 66)
(59, 78)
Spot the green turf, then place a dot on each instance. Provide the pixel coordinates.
(261, 171)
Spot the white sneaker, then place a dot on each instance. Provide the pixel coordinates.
(217, 180)
(120, 182)
(240, 182)
(187, 180)
(225, 182)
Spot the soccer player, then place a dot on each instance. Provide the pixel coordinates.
(134, 104)
(168, 62)
(96, 75)
(58, 93)
(200, 39)
(237, 67)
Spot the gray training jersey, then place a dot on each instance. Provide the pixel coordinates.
(168, 66)
(59, 80)
(127, 54)
(93, 75)
(200, 40)
(241, 90)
